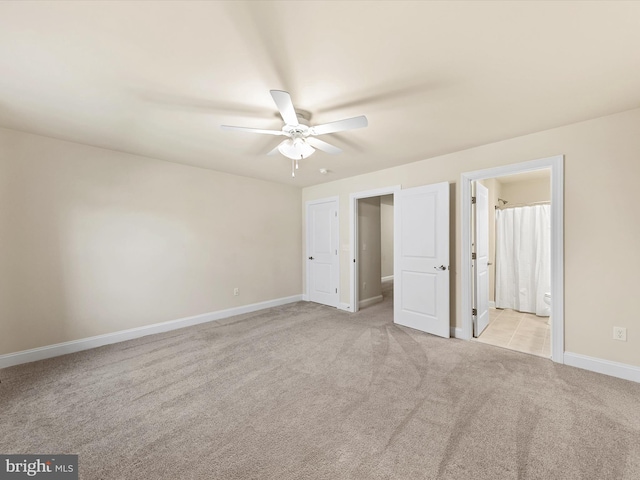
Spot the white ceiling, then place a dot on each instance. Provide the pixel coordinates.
(158, 78)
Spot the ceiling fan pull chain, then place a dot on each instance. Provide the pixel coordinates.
(293, 168)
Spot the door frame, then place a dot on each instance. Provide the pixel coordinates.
(556, 164)
(353, 235)
(308, 205)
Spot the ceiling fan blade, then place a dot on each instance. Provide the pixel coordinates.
(285, 107)
(340, 125)
(276, 150)
(252, 130)
(322, 145)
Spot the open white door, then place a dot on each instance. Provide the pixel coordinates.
(421, 267)
(322, 249)
(481, 262)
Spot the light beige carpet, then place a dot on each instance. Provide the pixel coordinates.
(305, 391)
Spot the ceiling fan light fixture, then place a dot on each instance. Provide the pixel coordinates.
(295, 149)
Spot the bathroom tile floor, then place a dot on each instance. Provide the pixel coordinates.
(524, 332)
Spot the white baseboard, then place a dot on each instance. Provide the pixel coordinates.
(305, 297)
(456, 332)
(73, 346)
(492, 304)
(370, 301)
(345, 306)
(387, 278)
(607, 367)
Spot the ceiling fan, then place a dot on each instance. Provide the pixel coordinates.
(301, 141)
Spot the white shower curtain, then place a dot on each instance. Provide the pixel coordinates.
(523, 258)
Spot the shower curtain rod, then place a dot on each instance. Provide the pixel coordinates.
(502, 207)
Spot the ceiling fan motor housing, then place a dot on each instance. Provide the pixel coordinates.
(296, 131)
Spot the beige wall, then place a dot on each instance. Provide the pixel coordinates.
(94, 241)
(386, 232)
(369, 252)
(602, 170)
(527, 191)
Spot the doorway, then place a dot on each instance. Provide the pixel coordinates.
(511, 268)
(372, 232)
(555, 165)
(421, 256)
(375, 249)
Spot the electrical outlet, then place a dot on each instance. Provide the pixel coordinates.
(620, 333)
(236, 292)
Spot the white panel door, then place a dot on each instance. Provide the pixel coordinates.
(421, 268)
(481, 263)
(322, 263)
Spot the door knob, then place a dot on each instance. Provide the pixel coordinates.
(310, 258)
(441, 267)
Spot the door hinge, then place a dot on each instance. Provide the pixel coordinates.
(473, 256)
(474, 312)
(335, 213)
(473, 200)
(336, 251)
(336, 290)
